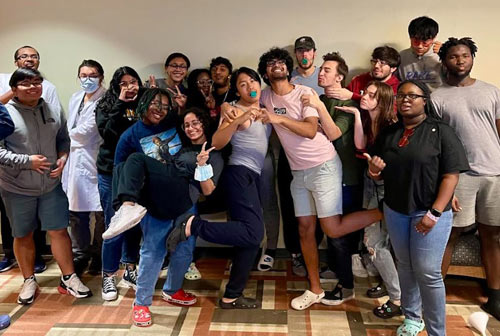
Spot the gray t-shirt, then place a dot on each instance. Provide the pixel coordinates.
(425, 68)
(311, 81)
(250, 146)
(472, 112)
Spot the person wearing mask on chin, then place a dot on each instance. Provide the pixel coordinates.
(80, 173)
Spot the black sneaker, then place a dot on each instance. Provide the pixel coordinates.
(40, 265)
(338, 296)
(130, 277)
(298, 265)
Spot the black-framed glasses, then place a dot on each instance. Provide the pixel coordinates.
(410, 96)
(25, 56)
(275, 62)
(178, 66)
(376, 60)
(205, 82)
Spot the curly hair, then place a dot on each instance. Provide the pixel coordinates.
(275, 53)
(205, 120)
(453, 42)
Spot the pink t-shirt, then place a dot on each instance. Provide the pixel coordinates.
(302, 153)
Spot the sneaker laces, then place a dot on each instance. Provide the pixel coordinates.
(108, 284)
(132, 275)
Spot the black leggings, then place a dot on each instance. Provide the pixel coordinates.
(245, 230)
(159, 187)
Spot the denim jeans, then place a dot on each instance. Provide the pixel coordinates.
(419, 259)
(125, 245)
(377, 241)
(153, 251)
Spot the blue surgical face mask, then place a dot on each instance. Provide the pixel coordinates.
(89, 84)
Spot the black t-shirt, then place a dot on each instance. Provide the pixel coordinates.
(413, 173)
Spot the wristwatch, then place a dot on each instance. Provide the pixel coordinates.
(435, 212)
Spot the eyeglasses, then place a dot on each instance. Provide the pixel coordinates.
(375, 61)
(417, 42)
(35, 83)
(127, 84)
(159, 106)
(25, 56)
(405, 138)
(85, 77)
(410, 96)
(178, 66)
(272, 63)
(192, 124)
(205, 82)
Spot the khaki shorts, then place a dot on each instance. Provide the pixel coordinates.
(318, 190)
(479, 197)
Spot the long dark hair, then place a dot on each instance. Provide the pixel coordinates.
(195, 97)
(113, 92)
(385, 105)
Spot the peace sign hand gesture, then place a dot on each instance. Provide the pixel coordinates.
(203, 156)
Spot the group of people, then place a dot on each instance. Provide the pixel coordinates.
(377, 166)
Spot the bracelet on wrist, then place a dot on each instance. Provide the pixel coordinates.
(431, 216)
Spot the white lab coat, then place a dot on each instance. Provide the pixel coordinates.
(80, 173)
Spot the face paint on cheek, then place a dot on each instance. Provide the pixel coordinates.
(304, 61)
(253, 94)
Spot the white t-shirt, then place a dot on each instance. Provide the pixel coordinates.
(302, 153)
(49, 92)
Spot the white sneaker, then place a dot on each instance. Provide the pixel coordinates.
(306, 300)
(266, 263)
(28, 292)
(124, 219)
(358, 269)
(74, 286)
(109, 291)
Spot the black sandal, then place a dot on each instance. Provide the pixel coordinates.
(178, 233)
(387, 310)
(240, 303)
(377, 291)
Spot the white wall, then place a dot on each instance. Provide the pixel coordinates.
(142, 33)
